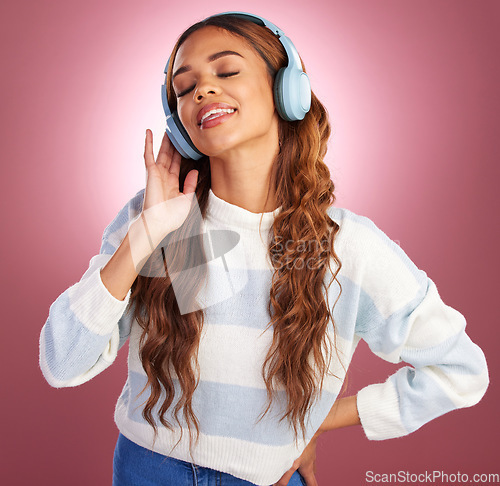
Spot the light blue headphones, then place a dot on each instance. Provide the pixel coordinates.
(292, 90)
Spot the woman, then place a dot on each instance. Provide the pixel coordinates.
(219, 274)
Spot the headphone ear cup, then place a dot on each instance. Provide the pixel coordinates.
(176, 131)
(278, 94)
(180, 138)
(292, 93)
(187, 143)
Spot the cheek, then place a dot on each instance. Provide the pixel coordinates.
(261, 98)
(185, 116)
(182, 113)
(267, 97)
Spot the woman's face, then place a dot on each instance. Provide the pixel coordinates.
(214, 69)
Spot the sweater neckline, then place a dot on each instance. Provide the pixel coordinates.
(231, 215)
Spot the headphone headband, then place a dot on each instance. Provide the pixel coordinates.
(292, 89)
(291, 52)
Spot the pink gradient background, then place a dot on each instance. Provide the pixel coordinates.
(412, 92)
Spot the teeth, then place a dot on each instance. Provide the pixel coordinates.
(213, 112)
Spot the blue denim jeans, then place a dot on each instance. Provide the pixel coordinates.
(134, 465)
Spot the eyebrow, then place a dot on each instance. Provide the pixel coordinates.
(211, 58)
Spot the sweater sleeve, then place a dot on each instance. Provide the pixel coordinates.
(86, 325)
(402, 318)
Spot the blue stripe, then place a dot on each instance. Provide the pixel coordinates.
(449, 355)
(223, 408)
(123, 217)
(236, 311)
(384, 335)
(420, 398)
(124, 397)
(63, 363)
(125, 325)
(107, 248)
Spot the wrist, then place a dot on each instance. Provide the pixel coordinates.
(141, 242)
(343, 413)
(150, 239)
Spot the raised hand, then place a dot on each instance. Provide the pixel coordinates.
(165, 208)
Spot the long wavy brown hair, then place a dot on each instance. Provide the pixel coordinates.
(298, 299)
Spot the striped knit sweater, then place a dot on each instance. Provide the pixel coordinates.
(386, 301)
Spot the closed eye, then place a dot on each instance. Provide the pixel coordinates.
(222, 75)
(226, 75)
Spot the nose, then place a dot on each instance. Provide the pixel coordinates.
(205, 88)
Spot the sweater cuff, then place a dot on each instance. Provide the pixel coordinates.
(378, 410)
(94, 306)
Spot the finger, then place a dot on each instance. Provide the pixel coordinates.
(175, 164)
(165, 152)
(310, 479)
(149, 158)
(190, 182)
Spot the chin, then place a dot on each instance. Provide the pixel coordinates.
(217, 147)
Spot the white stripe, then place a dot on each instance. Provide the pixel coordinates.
(378, 409)
(250, 253)
(96, 262)
(234, 355)
(227, 454)
(89, 293)
(433, 322)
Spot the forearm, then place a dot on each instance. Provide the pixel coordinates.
(122, 269)
(344, 413)
(145, 233)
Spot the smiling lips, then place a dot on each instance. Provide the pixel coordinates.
(214, 114)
